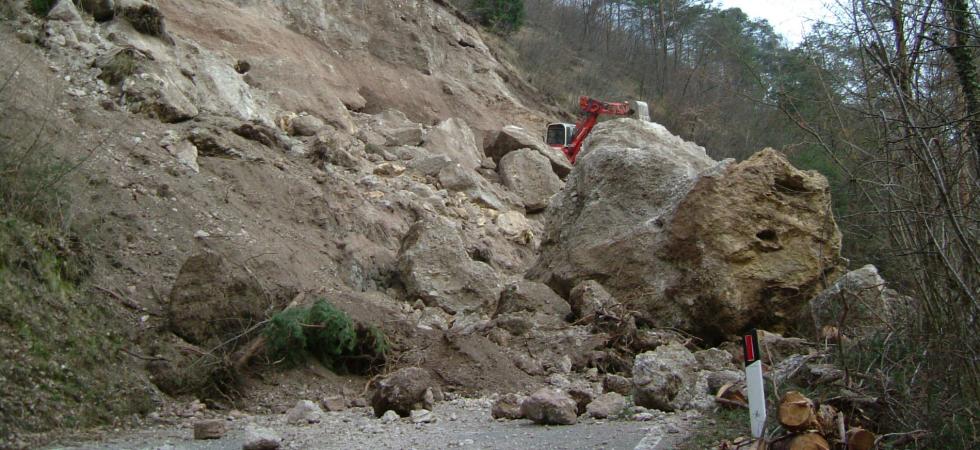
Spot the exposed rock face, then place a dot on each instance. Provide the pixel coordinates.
(403, 391)
(435, 267)
(870, 305)
(512, 138)
(706, 247)
(528, 174)
(453, 138)
(549, 406)
(667, 379)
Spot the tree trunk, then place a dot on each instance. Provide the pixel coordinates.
(796, 412)
(958, 19)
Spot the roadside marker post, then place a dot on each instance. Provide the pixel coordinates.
(753, 382)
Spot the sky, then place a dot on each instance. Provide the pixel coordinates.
(788, 17)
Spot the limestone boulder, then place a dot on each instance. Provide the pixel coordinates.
(434, 265)
(305, 125)
(607, 405)
(527, 173)
(454, 138)
(403, 391)
(508, 406)
(702, 246)
(511, 138)
(550, 406)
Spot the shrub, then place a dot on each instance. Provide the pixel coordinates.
(329, 335)
(41, 7)
(502, 16)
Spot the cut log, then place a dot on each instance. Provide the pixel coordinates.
(809, 441)
(860, 439)
(797, 412)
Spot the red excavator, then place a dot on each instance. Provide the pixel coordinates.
(569, 137)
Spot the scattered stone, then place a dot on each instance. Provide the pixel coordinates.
(525, 172)
(260, 438)
(513, 224)
(666, 379)
(587, 298)
(508, 406)
(396, 128)
(389, 169)
(305, 412)
(390, 417)
(455, 177)
(714, 359)
(534, 301)
(607, 405)
(422, 416)
(549, 406)
(618, 384)
(430, 165)
(334, 403)
(403, 391)
(209, 429)
(305, 125)
(583, 393)
(643, 417)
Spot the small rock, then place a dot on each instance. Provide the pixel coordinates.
(65, 11)
(259, 438)
(390, 416)
(673, 429)
(422, 416)
(550, 406)
(201, 234)
(643, 417)
(209, 429)
(508, 406)
(334, 403)
(403, 391)
(304, 412)
(558, 380)
(305, 125)
(389, 169)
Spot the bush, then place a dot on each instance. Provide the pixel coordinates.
(502, 16)
(329, 335)
(41, 7)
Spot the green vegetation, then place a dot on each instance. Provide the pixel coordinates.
(41, 7)
(727, 425)
(501, 16)
(122, 65)
(329, 335)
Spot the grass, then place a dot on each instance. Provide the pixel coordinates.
(728, 424)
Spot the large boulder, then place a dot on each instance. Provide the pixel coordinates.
(396, 128)
(607, 405)
(508, 406)
(512, 138)
(404, 390)
(588, 298)
(214, 299)
(701, 246)
(667, 379)
(435, 267)
(858, 304)
(528, 174)
(535, 301)
(454, 138)
(550, 406)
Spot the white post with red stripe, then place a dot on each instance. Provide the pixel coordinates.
(753, 382)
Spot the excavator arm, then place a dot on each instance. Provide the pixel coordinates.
(591, 109)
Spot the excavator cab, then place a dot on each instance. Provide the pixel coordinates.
(560, 134)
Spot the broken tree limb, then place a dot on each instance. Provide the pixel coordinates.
(860, 439)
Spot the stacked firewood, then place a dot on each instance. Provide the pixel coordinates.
(809, 425)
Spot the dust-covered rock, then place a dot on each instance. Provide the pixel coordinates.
(534, 301)
(549, 406)
(526, 173)
(667, 379)
(511, 138)
(610, 404)
(507, 406)
(435, 267)
(619, 384)
(589, 297)
(304, 412)
(65, 11)
(209, 429)
(305, 125)
(702, 246)
(403, 391)
(454, 138)
(396, 128)
(260, 438)
(858, 304)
